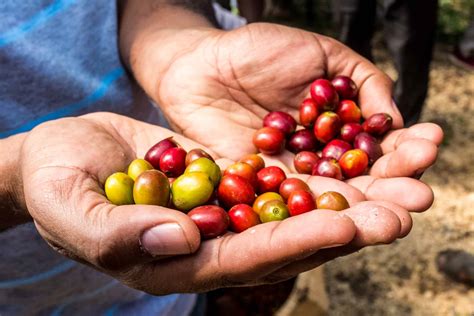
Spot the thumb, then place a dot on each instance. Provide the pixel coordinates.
(134, 234)
(116, 238)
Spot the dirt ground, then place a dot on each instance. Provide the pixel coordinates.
(402, 279)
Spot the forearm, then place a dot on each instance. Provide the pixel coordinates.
(12, 205)
(159, 21)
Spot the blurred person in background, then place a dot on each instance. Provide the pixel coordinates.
(281, 8)
(409, 29)
(463, 54)
(251, 10)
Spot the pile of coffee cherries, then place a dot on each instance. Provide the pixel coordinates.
(332, 141)
(246, 194)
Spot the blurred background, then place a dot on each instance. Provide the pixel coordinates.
(428, 46)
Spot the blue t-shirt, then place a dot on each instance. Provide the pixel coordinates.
(60, 58)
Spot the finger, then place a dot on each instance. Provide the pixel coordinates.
(313, 261)
(375, 87)
(406, 221)
(320, 185)
(410, 158)
(375, 225)
(238, 259)
(410, 194)
(427, 131)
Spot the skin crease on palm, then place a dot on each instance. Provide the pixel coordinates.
(63, 190)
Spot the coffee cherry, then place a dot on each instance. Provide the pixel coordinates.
(327, 126)
(301, 201)
(211, 220)
(242, 217)
(119, 188)
(304, 161)
(190, 190)
(254, 160)
(345, 87)
(264, 198)
(153, 155)
(152, 188)
(172, 162)
(196, 153)
(378, 124)
(243, 170)
(207, 166)
(138, 166)
(281, 121)
(274, 211)
(235, 190)
(354, 163)
(348, 112)
(370, 145)
(332, 201)
(324, 95)
(349, 131)
(269, 179)
(327, 167)
(335, 148)
(269, 140)
(308, 112)
(290, 185)
(302, 140)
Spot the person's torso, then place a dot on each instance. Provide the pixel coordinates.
(60, 58)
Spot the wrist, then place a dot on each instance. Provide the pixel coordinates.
(153, 34)
(140, 19)
(13, 209)
(155, 53)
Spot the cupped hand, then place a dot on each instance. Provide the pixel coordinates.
(228, 81)
(217, 90)
(65, 163)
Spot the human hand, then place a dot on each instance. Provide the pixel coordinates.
(230, 80)
(64, 164)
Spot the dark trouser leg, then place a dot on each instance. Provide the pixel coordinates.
(466, 45)
(355, 20)
(252, 10)
(409, 32)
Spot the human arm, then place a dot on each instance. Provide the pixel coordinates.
(12, 206)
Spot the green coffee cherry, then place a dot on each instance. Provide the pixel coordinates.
(119, 189)
(138, 166)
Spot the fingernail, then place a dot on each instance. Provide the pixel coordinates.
(165, 239)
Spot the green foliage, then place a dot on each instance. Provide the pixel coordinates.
(454, 17)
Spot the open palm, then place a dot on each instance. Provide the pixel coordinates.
(230, 80)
